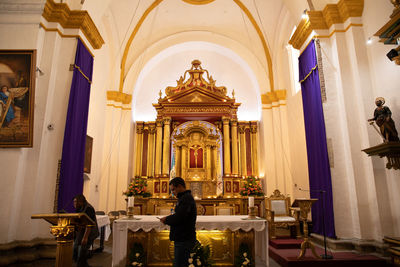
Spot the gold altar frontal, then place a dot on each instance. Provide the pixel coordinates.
(159, 251)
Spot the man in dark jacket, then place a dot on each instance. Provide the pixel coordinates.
(182, 223)
(86, 234)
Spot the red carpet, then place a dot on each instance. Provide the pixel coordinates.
(285, 243)
(287, 257)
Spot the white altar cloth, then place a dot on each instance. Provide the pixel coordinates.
(104, 220)
(148, 223)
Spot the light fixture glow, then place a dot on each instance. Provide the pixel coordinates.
(369, 41)
(304, 15)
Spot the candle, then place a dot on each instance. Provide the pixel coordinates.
(251, 201)
(131, 201)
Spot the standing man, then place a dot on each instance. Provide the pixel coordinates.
(84, 234)
(182, 222)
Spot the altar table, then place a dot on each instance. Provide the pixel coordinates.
(227, 230)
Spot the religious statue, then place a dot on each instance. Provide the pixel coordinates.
(383, 118)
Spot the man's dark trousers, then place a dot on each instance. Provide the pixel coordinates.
(182, 251)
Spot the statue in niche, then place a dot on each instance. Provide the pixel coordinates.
(383, 118)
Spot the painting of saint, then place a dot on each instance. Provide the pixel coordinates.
(164, 188)
(17, 83)
(228, 187)
(235, 187)
(157, 187)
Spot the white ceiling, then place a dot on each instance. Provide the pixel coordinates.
(174, 24)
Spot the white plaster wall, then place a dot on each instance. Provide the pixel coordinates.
(385, 80)
(29, 174)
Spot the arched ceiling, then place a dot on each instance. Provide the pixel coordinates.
(255, 25)
(166, 67)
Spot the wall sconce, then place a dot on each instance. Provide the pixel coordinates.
(304, 15)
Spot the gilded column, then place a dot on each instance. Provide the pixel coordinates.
(235, 155)
(254, 145)
(184, 158)
(208, 162)
(214, 162)
(159, 125)
(166, 147)
(178, 161)
(150, 158)
(139, 148)
(242, 136)
(227, 152)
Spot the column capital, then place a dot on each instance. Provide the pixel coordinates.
(234, 122)
(242, 128)
(167, 120)
(225, 120)
(152, 127)
(253, 128)
(159, 123)
(139, 127)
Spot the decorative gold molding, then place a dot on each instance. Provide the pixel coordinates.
(157, 2)
(116, 106)
(273, 97)
(323, 20)
(198, 2)
(122, 98)
(73, 19)
(66, 36)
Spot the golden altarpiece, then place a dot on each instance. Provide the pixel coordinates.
(196, 136)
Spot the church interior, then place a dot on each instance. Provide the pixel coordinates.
(266, 108)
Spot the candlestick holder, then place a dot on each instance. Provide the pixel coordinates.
(130, 213)
(252, 213)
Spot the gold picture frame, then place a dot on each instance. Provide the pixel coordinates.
(17, 94)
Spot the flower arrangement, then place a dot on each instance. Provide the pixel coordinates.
(137, 187)
(137, 256)
(200, 256)
(243, 259)
(251, 187)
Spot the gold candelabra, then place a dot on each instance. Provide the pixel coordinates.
(252, 213)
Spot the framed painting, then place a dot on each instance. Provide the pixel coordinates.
(156, 187)
(88, 154)
(17, 94)
(164, 187)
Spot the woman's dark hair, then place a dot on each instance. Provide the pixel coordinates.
(177, 181)
(80, 198)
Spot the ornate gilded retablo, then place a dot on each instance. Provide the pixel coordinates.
(195, 80)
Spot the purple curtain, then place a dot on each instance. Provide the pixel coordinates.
(317, 152)
(73, 153)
